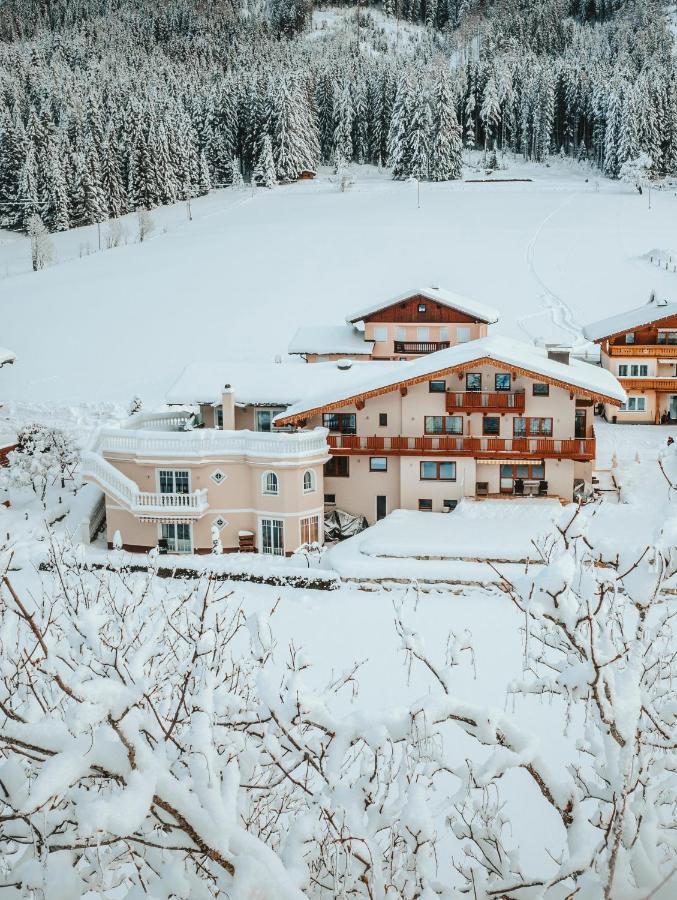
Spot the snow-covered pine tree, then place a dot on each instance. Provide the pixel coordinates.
(264, 173)
(446, 146)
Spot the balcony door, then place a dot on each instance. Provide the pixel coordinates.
(174, 481)
(177, 538)
(580, 425)
(272, 536)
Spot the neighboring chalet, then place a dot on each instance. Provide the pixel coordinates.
(640, 347)
(418, 322)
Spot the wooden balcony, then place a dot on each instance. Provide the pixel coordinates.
(665, 351)
(664, 385)
(498, 401)
(420, 346)
(582, 449)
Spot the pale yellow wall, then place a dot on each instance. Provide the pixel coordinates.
(409, 330)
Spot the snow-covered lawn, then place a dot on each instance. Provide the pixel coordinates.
(235, 283)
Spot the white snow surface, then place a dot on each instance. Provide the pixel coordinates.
(329, 339)
(439, 295)
(274, 384)
(504, 351)
(632, 318)
(237, 281)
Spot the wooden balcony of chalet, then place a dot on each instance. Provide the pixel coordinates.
(486, 401)
(581, 449)
(420, 347)
(663, 385)
(664, 351)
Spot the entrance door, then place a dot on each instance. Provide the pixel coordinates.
(579, 431)
(381, 507)
(272, 536)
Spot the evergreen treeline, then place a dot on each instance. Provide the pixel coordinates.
(108, 106)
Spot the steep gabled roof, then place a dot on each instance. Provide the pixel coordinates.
(654, 311)
(6, 356)
(438, 295)
(583, 378)
(330, 339)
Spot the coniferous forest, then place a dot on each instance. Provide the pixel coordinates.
(108, 106)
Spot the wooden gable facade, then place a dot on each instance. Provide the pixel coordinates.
(419, 308)
(644, 334)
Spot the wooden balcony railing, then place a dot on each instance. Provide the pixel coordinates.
(484, 400)
(479, 447)
(666, 385)
(420, 346)
(665, 351)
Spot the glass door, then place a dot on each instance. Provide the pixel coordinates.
(272, 536)
(579, 430)
(177, 538)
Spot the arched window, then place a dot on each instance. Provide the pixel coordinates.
(308, 481)
(269, 483)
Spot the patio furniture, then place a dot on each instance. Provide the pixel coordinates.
(519, 487)
(542, 488)
(482, 489)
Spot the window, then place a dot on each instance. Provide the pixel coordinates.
(437, 387)
(380, 333)
(510, 473)
(630, 337)
(269, 483)
(634, 404)
(438, 471)
(622, 370)
(540, 389)
(272, 536)
(421, 307)
(308, 481)
(218, 417)
(378, 463)
(667, 337)
(502, 382)
(264, 419)
(218, 476)
(491, 425)
(346, 423)
(400, 333)
(423, 334)
(174, 482)
(462, 335)
(639, 371)
(177, 538)
(330, 498)
(449, 504)
(310, 530)
(531, 427)
(337, 467)
(444, 333)
(443, 424)
(425, 505)
(383, 419)
(473, 381)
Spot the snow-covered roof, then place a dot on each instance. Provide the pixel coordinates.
(653, 311)
(271, 384)
(6, 356)
(505, 352)
(446, 298)
(330, 339)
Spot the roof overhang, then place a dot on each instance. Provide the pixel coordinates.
(629, 330)
(574, 389)
(444, 298)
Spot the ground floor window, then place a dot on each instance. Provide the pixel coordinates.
(337, 467)
(635, 404)
(272, 536)
(176, 538)
(425, 505)
(438, 471)
(310, 530)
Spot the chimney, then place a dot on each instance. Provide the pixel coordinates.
(228, 406)
(560, 354)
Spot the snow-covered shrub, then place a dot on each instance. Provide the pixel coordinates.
(145, 224)
(42, 246)
(42, 456)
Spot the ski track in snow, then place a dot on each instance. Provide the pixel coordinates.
(559, 311)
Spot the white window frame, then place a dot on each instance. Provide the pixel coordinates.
(400, 333)
(173, 470)
(271, 412)
(444, 333)
(380, 334)
(313, 480)
(265, 488)
(462, 334)
(307, 521)
(622, 370)
(422, 334)
(636, 403)
(175, 525)
(273, 522)
(218, 417)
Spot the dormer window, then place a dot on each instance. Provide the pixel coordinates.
(630, 337)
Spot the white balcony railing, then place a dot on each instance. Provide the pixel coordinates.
(143, 504)
(209, 442)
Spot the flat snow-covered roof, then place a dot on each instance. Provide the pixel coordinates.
(272, 384)
(6, 356)
(503, 351)
(330, 339)
(446, 298)
(632, 318)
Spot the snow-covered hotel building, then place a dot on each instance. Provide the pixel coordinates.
(259, 451)
(640, 348)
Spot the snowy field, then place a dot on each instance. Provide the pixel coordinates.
(551, 254)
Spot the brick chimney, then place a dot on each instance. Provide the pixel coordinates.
(228, 406)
